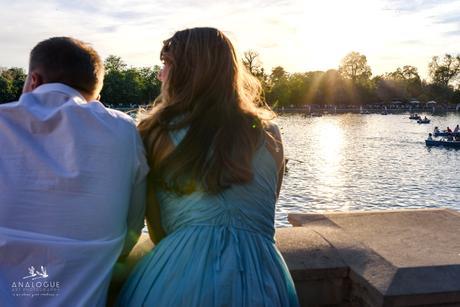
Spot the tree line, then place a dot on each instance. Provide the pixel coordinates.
(350, 84)
(129, 86)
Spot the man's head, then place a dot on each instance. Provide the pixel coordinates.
(66, 60)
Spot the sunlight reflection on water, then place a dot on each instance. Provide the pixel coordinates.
(365, 162)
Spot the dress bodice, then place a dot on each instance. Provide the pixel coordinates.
(249, 206)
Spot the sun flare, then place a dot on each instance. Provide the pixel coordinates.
(330, 29)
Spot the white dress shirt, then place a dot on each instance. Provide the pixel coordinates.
(72, 191)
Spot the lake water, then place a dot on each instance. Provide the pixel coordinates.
(354, 162)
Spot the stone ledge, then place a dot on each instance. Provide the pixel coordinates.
(396, 258)
(319, 273)
(308, 255)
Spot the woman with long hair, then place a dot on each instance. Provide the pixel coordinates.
(216, 168)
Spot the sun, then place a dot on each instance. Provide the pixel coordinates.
(328, 30)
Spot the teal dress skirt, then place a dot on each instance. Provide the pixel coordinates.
(219, 249)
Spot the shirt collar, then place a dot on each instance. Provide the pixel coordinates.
(60, 87)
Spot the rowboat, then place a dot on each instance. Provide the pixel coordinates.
(423, 121)
(444, 143)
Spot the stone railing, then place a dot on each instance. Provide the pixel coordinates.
(384, 258)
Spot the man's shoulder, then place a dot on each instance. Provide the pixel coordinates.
(8, 105)
(113, 121)
(117, 116)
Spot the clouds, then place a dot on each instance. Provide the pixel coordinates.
(450, 19)
(299, 35)
(414, 5)
(409, 33)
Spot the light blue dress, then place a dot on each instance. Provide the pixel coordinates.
(219, 250)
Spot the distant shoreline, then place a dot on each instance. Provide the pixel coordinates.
(370, 109)
(339, 110)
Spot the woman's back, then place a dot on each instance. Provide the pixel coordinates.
(248, 206)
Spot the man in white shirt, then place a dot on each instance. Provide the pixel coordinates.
(72, 182)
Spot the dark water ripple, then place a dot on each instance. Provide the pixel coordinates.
(365, 162)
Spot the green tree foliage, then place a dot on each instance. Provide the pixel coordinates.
(5, 90)
(354, 66)
(456, 96)
(334, 88)
(114, 63)
(11, 83)
(443, 71)
(277, 90)
(350, 84)
(315, 88)
(402, 84)
(388, 89)
(126, 86)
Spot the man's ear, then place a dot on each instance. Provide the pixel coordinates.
(36, 79)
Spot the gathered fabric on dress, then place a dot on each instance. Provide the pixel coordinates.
(219, 249)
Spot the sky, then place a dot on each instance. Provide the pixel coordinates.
(298, 35)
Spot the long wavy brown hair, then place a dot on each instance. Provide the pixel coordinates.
(208, 90)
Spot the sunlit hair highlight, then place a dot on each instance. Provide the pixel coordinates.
(210, 92)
